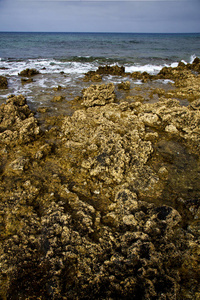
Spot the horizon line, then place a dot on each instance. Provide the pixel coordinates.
(109, 32)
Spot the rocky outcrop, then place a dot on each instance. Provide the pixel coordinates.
(96, 76)
(111, 70)
(29, 72)
(17, 122)
(98, 95)
(104, 203)
(144, 76)
(3, 82)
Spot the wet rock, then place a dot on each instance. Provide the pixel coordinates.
(58, 88)
(111, 70)
(124, 85)
(26, 80)
(42, 109)
(57, 98)
(93, 76)
(3, 82)
(195, 65)
(141, 76)
(29, 72)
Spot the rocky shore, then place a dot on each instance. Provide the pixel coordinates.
(103, 204)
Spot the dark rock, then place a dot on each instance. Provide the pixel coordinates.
(3, 82)
(26, 80)
(196, 61)
(93, 76)
(58, 88)
(29, 72)
(124, 85)
(111, 70)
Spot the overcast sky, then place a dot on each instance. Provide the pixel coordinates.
(100, 15)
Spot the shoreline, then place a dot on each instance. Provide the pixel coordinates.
(103, 203)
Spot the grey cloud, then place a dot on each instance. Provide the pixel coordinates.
(126, 16)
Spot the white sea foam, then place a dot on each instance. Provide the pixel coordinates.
(173, 65)
(53, 66)
(151, 69)
(184, 61)
(192, 58)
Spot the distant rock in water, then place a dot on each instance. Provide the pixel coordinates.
(111, 70)
(29, 72)
(95, 76)
(3, 82)
(26, 80)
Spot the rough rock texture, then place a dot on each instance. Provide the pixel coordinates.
(29, 72)
(17, 122)
(98, 95)
(3, 82)
(103, 204)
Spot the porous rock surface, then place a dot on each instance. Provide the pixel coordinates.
(17, 122)
(84, 210)
(98, 95)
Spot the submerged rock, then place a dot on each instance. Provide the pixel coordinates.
(58, 98)
(26, 80)
(124, 85)
(3, 82)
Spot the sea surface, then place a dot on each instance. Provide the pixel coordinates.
(63, 58)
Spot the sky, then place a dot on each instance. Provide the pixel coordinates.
(100, 15)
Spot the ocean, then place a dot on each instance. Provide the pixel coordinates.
(63, 58)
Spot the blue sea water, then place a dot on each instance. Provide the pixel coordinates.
(129, 49)
(77, 53)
